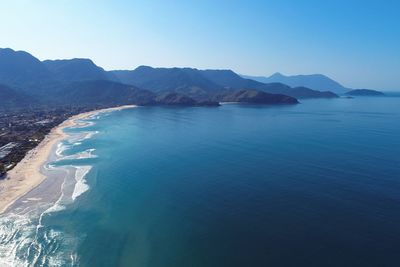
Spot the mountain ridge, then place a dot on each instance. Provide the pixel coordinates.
(76, 69)
(319, 82)
(199, 83)
(80, 80)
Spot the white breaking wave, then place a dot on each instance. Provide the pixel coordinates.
(61, 147)
(83, 124)
(26, 241)
(81, 185)
(87, 154)
(89, 135)
(25, 237)
(15, 236)
(77, 138)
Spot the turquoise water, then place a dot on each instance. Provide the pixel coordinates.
(316, 184)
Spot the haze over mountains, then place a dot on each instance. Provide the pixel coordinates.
(201, 83)
(25, 79)
(313, 81)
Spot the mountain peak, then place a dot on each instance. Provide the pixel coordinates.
(6, 50)
(86, 60)
(75, 69)
(20, 69)
(143, 67)
(277, 75)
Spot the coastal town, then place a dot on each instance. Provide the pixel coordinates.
(23, 130)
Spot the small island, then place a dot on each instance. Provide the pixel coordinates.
(364, 92)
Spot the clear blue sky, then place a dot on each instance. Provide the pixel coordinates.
(355, 42)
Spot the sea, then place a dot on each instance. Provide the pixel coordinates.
(313, 184)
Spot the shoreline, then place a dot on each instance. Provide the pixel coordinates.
(27, 174)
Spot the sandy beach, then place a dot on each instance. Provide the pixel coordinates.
(26, 175)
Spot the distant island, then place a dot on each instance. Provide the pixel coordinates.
(364, 92)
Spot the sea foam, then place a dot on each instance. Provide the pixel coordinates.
(81, 186)
(25, 239)
(61, 147)
(86, 154)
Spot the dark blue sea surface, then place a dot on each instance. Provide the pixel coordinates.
(314, 184)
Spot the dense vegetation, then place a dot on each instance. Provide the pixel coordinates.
(27, 81)
(200, 84)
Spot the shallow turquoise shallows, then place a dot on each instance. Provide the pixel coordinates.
(315, 184)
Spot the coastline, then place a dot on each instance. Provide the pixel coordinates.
(27, 175)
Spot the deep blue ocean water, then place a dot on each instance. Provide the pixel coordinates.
(315, 184)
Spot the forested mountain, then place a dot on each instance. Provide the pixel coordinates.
(201, 83)
(27, 80)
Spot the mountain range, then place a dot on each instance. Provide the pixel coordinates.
(25, 78)
(200, 84)
(317, 82)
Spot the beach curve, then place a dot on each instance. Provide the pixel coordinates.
(27, 175)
